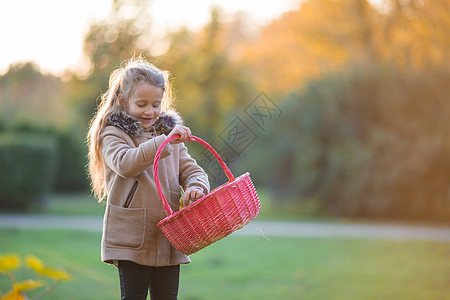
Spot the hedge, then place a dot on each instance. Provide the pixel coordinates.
(27, 169)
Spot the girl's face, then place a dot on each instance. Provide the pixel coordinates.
(145, 104)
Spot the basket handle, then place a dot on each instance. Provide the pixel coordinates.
(166, 206)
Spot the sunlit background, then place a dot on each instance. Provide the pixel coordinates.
(339, 109)
(51, 32)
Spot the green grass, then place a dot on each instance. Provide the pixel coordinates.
(255, 268)
(71, 204)
(85, 205)
(77, 252)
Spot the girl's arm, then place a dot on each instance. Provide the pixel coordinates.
(128, 161)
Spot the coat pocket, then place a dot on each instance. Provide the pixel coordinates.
(125, 227)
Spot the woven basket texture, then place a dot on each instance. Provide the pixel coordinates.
(211, 218)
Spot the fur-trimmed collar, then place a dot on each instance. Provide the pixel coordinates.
(132, 126)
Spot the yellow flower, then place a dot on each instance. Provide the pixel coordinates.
(27, 285)
(8, 263)
(37, 265)
(55, 274)
(15, 293)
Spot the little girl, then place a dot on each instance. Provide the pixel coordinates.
(132, 121)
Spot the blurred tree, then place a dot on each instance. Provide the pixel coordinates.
(118, 37)
(28, 96)
(318, 38)
(209, 82)
(107, 44)
(322, 36)
(364, 143)
(35, 104)
(414, 33)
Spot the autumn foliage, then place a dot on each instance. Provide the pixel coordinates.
(362, 86)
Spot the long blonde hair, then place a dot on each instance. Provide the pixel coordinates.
(122, 82)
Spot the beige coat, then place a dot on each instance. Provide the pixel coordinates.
(133, 206)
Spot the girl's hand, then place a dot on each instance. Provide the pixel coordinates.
(191, 194)
(184, 132)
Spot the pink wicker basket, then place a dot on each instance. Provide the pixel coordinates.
(211, 218)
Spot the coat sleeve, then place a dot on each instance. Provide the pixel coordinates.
(121, 156)
(191, 174)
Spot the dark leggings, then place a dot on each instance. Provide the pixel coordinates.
(136, 280)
